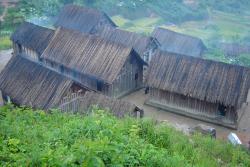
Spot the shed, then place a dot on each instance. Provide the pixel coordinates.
(144, 45)
(83, 19)
(29, 83)
(85, 103)
(205, 89)
(31, 40)
(104, 66)
(179, 43)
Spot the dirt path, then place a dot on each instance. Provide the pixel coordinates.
(5, 56)
(181, 122)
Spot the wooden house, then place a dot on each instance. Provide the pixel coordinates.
(204, 89)
(84, 104)
(179, 43)
(144, 45)
(82, 19)
(110, 68)
(31, 40)
(29, 83)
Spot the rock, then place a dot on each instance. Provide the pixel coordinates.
(204, 130)
(234, 139)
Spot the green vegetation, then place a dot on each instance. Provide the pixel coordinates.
(34, 138)
(1, 10)
(213, 21)
(244, 59)
(5, 43)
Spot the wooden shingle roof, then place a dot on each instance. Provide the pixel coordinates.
(137, 41)
(88, 54)
(179, 43)
(31, 84)
(119, 108)
(32, 36)
(82, 19)
(205, 80)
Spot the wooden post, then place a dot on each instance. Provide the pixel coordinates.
(141, 113)
(1, 99)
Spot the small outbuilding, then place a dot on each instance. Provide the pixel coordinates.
(204, 89)
(31, 40)
(179, 43)
(83, 19)
(100, 65)
(117, 107)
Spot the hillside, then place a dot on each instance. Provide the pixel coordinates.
(34, 138)
(213, 21)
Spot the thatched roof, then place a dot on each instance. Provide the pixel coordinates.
(88, 54)
(179, 43)
(118, 107)
(139, 42)
(206, 80)
(32, 36)
(28, 83)
(82, 19)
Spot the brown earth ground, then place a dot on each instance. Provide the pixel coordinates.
(184, 123)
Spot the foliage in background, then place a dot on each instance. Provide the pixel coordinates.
(5, 43)
(1, 10)
(213, 21)
(34, 138)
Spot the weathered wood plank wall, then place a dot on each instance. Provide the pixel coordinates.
(192, 106)
(129, 79)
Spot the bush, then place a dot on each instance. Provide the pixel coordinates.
(34, 138)
(5, 43)
(12, 19)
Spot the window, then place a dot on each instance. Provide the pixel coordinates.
(99, 86)
(222, 110)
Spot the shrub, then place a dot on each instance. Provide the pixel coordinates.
(5, 43)
(34, 138)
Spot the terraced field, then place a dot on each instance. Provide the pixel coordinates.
(219, 26)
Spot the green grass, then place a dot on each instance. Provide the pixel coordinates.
(220, 26)
(5, 43)
(119, 20)
(226, 26)
(244, 59)
(34, 138)
(143, 25)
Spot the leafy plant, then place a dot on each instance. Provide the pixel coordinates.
(35, 138)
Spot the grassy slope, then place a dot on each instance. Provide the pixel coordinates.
(224, 25)
(220, 26)
(29, 138)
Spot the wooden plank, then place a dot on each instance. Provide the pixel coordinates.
(1, 99)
